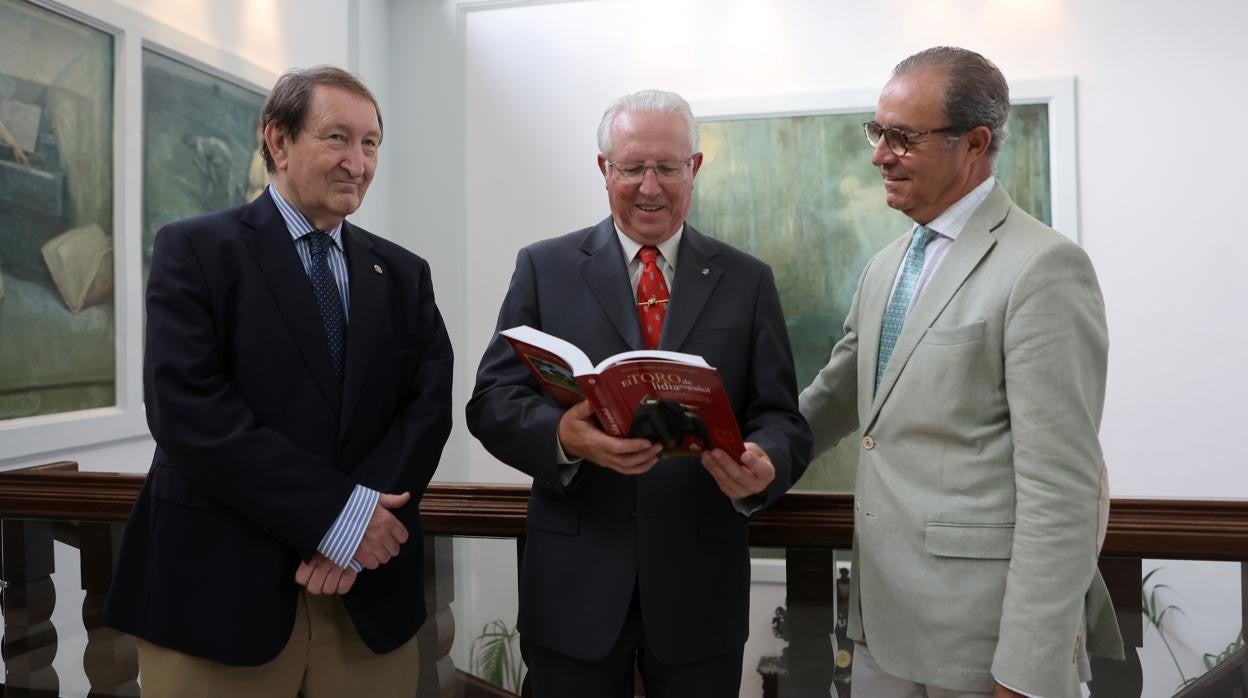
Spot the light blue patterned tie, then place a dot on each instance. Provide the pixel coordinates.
(895, 314)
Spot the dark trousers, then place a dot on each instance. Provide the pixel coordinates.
(556, 675)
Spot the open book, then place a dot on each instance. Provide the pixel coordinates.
(675, 400)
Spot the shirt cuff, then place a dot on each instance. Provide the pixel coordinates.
(748, 506)
(344, 536)
(566, 467)
(1029, 695)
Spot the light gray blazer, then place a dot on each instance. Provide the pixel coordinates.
(975, 515)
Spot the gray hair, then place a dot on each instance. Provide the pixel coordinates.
(652, 101)
(976, 93)
(288, 103)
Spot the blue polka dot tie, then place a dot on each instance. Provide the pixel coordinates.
(899, 304)
(328, 298)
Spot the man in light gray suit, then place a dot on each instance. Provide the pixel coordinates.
(974, 362)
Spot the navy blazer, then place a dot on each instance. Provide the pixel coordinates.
(671, 531)
(258, 445)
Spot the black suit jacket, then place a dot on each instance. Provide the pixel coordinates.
(670, 531)
(258, 445)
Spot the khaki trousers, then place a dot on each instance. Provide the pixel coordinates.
(324, 658)
(871, 681)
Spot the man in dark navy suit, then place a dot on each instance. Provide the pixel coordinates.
(632, 558)
(297, 380)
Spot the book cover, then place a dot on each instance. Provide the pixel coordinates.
(675, 400)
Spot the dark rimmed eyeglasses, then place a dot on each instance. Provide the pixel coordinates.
(898, 140)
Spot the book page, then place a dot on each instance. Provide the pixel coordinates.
(675, 357)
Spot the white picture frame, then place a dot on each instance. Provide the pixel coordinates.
(26, 437)
(1058, 93)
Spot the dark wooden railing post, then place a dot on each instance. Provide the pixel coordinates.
(110, 660)
(438, 676)
(810, 619)
(1122, 679)
(29, 644)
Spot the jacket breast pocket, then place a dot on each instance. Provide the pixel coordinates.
(978, 541)
(955, 335)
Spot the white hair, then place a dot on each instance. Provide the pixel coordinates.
(652, 101)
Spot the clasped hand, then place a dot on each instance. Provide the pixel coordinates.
(379, 544)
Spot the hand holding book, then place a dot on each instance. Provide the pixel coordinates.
(749, 475)
(581, 437)
(672, 399)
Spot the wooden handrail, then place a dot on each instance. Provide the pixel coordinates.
(1185, 529)
(1222, 679)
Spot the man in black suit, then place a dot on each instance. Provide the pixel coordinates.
(297, 380)
(631, 557)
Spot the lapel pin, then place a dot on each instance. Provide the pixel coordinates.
(377, 268)
(706, 271)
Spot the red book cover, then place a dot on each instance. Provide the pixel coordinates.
(673, 399)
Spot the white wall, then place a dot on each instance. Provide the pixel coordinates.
(426, 141)
(275, 34)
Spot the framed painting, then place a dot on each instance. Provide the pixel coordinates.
(81, 200)
(201, 142)
(790, 181)
(57, 319)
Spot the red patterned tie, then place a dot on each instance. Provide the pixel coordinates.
(651, 297)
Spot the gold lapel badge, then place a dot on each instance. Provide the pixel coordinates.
(377, 268)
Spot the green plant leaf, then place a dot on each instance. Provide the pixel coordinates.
(493, 657)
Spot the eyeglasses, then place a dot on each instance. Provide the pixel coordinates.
(898, 140)
(669, 171)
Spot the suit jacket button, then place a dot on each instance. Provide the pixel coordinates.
(868, 443)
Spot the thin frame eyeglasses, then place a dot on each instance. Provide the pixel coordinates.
(668, 171)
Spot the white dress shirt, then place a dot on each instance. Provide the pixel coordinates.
(948, 225)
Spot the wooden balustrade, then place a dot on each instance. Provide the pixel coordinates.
(1184, 529)
(87, 510)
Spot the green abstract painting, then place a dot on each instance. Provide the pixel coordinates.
(800, 193)
(201, 144)
(57, 326)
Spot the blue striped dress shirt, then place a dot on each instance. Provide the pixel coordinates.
(343, 537)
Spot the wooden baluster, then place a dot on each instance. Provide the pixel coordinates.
(110, 659)
(843, 670)
(1112, 678)
(810, 590)
(29, 644)
(437, 670)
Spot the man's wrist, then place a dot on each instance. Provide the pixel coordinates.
(343, 537)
